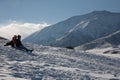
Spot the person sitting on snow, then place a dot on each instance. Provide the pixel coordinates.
(19, 44)
(16, 43)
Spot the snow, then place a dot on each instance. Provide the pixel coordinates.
(100, 51)
(82, 25)
(6, 75)
(55, 63)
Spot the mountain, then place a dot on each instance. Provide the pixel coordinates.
(112, 40)
(3, 38)
(78, 30)
(53, 63)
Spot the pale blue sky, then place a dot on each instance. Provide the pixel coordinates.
(51, 11)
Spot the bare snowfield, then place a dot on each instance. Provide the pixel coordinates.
(51, 63)
(106, 52)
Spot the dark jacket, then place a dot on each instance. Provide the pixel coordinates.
(18, 43)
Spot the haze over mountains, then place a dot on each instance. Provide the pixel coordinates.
(78, 30)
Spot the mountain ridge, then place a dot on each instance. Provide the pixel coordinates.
(3, 38)
(112, 40)
(78, 30)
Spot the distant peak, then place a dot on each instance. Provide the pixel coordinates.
(101, 12)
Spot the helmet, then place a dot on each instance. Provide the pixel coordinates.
(19, 36)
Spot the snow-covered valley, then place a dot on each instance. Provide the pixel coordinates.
(54, 63)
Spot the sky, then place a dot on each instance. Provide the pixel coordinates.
(49, 11)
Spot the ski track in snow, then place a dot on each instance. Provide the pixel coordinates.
(50, 63)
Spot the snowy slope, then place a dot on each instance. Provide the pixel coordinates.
(107, 41)
(51, 63)
(78, 30)
(3, 38)
(109, 51)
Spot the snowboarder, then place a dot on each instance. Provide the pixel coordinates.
(19, 44)
(16, 43)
